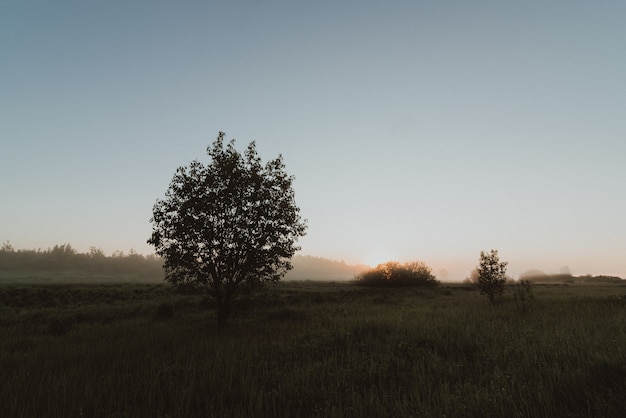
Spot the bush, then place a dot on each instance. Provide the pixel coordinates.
(395, 274)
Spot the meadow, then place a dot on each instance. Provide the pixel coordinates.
(311, 349)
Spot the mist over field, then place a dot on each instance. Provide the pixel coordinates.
(64, 263)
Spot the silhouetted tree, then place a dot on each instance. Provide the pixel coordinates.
(227, 226)
(491, 275)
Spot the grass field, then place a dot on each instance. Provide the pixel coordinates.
(311, 349)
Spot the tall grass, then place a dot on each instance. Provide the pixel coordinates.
(313, 350)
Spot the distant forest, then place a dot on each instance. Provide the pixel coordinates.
(64, 263)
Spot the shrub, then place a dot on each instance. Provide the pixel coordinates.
(395, 274)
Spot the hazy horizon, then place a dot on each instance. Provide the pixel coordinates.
(312, 267)
(425, 131)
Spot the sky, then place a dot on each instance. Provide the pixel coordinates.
(416, 130)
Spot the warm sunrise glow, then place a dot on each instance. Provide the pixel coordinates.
(377, 259)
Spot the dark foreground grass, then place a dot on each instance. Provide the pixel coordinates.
(311, 350)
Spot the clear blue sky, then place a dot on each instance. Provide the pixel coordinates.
(426, 130)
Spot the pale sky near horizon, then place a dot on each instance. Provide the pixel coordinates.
(428, 130)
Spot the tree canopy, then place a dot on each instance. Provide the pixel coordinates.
(228, 225)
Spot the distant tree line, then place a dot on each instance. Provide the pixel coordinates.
(568, 278)
(539, 277)
(64, 259)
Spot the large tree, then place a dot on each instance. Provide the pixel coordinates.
(229, 225)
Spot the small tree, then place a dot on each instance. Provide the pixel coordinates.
(491, 275)
(227, 226)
